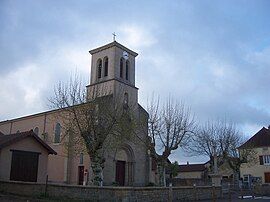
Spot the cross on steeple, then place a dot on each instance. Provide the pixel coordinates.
(114, 35)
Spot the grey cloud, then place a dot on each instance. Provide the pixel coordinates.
(212, 55)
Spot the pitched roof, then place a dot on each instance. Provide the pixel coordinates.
(260, 139)
(191, 168)
(221, 159)
(114, 43)
(6, 140)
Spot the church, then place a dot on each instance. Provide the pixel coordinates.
(113, 71)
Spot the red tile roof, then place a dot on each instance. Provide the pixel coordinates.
(6, 140)
(191, 167)
(260, 139)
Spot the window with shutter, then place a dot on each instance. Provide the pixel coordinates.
(266, 160)
(106, 64)
(261, 160)
(127, 70)
(99, 68)
(121, 67)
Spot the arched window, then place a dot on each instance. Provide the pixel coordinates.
(57, 133)
(121, 67)
(36, 130)
(106, 63)
(127, 69)
(99, 68)
(125, 104)
(81, 158)
(126, 99)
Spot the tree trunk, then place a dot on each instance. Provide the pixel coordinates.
(212, 164)
(97, 175)
(161, 174)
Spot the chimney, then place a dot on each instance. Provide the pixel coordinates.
(187, 163)
(268, 127)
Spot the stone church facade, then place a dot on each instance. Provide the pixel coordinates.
(112, 73)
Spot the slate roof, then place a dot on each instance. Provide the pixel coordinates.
(6, 140)
(200, 167)
(191, 168)
(260, 139)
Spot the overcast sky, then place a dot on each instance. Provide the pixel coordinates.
(213, 55)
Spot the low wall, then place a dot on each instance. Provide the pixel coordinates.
(189, 182)
(112, 193)
(263, 190)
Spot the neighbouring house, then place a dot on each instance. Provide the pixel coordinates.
(192, 171)
(112, 73)
(199, 174)
(227, 173)
(257, 167)
(23, 157)
(189, 174)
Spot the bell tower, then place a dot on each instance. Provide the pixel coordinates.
(113, 72)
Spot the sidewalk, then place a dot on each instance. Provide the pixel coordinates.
(237, 198)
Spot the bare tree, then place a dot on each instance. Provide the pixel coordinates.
(170, 126)
(220, 137)
(95, 125)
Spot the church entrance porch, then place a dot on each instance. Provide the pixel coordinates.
(80, 175)
(124, 166)
(120, 172)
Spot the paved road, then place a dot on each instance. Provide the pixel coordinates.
(259, 199)
(16, 198)
(12, 198)
(236, 198)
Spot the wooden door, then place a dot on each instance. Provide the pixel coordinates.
(24, 166)
(120, 172)
(81, 175)
(267, 177)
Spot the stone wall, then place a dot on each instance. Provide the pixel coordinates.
(189, 182)
(112, 193)
(263, 190)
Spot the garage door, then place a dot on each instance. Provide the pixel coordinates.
(24, 166)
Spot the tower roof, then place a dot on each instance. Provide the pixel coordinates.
(114, 43)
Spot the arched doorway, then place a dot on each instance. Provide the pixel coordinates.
(124, 166)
